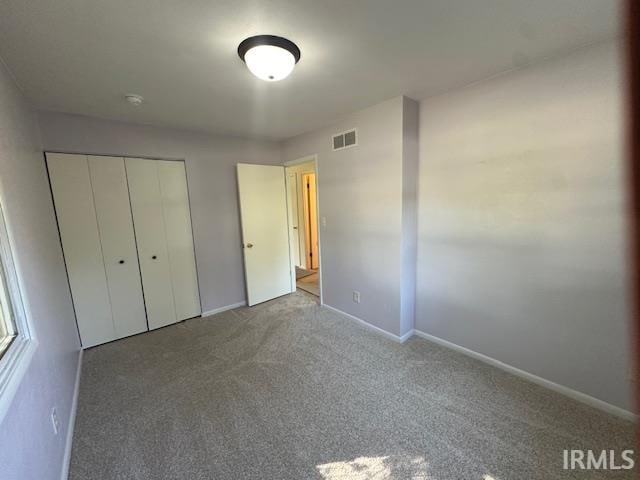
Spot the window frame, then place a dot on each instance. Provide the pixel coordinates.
(15, 360)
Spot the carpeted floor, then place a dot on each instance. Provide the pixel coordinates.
(288, 390)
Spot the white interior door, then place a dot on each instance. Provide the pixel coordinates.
(113, 212)
(75, 211)
(263, 211)
(177, 219)
(148, 220)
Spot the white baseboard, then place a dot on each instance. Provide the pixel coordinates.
(569, 392)
(406, 336)
(208, 313)
(72, 422)
(392, 336)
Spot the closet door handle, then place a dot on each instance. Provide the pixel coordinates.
(153, 257)
(121, 262)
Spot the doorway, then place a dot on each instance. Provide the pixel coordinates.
(279, 224)
(301, 180)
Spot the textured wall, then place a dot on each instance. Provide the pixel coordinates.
(360, 193)
(521, 222)
(28, 448)
(211, 173)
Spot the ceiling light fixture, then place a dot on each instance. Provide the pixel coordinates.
(269, 57)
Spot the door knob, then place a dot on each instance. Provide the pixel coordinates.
(154, 257)
(121, 262)
(249, 245)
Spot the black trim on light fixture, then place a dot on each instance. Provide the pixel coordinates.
(248, 43)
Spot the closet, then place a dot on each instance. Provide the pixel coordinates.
(125, 227)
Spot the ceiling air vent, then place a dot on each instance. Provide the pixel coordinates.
(345, 140)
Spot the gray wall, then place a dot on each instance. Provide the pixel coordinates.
(521, 222)
(211, 174)
(28, 448)
(360, 195)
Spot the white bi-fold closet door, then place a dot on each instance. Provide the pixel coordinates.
(94, 217)
(111, 219)
(160, 204)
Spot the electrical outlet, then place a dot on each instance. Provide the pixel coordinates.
(55, 423)
(324, 221)
(356, 296)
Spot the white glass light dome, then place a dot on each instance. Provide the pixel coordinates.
(268, 57)
(270, 63)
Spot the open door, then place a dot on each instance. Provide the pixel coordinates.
(265, 236)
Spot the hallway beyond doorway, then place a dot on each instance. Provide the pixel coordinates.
(303, 224)
(310, 283)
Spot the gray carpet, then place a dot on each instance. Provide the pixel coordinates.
(287, 390)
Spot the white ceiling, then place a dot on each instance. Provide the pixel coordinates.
(82, 56)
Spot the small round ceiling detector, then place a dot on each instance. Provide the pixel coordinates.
(269, 57)
(134, 99)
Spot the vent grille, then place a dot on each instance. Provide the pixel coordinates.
(345, 140)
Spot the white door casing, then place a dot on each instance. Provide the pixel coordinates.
(292, 215)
